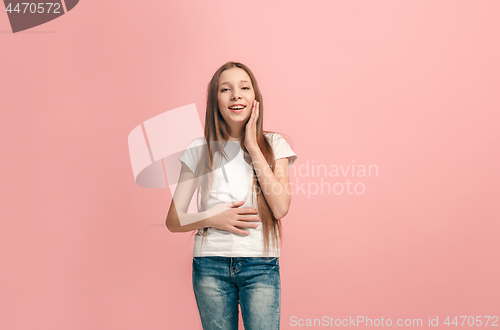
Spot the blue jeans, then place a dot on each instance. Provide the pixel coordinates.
(220, 283)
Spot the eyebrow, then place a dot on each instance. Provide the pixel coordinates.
(227, 82)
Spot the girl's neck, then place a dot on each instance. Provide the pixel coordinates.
(234, 136)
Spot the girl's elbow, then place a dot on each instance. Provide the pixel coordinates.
(171, 227)
(280, 214)
(284, 208)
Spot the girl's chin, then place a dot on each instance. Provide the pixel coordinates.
(238, 117)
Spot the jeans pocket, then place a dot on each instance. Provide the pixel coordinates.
(271, 263)
(272, 260)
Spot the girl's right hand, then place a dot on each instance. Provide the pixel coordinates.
(229, 216)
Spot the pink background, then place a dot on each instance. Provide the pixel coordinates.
(410, 86)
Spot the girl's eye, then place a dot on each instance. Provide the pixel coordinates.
(225, 89)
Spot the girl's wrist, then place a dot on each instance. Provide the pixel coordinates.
(253, 148)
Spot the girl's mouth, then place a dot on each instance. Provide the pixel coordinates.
(238, 109)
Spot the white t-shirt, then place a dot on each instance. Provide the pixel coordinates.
(233, 182)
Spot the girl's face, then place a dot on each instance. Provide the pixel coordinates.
(235, 97)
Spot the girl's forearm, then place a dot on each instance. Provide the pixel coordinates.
(180, 222)
(276, 194)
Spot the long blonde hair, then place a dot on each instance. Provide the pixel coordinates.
(216, 130)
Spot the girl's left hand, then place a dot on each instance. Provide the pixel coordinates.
(251, 128)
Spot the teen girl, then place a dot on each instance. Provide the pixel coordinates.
(241, 173)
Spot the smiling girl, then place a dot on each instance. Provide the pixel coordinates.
(241, 174)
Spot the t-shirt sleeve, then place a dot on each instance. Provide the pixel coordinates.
(282, 149)
(191, 155)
